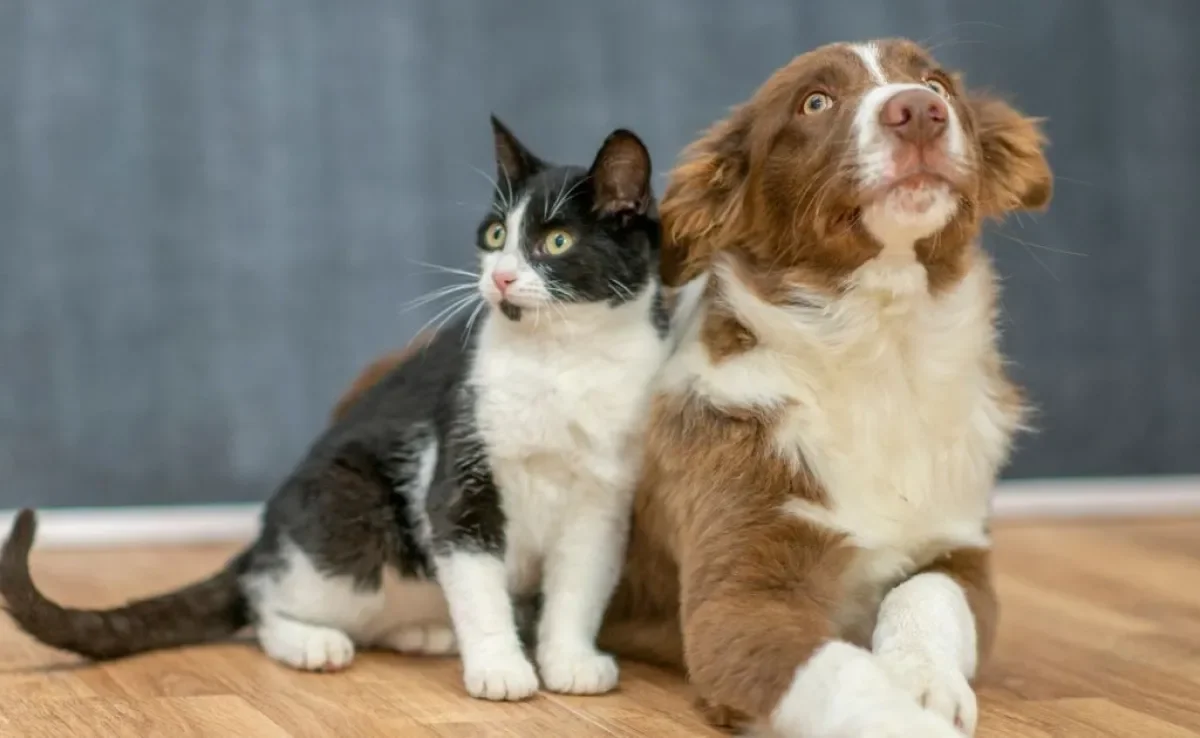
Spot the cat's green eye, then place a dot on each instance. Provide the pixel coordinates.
(557, 242)
(493, 237)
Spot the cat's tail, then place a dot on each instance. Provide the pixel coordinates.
(208, 610)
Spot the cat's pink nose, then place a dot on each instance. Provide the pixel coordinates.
(503, 280)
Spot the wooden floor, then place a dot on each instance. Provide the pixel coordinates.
(1100, 637)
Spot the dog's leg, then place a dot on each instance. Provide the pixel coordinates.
(760, 640)
(934, 628)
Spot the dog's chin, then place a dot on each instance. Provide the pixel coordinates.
(917, 206)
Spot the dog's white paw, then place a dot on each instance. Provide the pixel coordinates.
(433, 639)
(943, 691)
(904, 720)
(578, 671)
(304, 646)
(510, 677)
(907, 721)
(847, 692)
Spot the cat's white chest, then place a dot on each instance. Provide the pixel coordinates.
(561, 420)
(585, 395)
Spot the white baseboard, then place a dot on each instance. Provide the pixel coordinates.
(1139, 497)
(195, 524)
(85, 527)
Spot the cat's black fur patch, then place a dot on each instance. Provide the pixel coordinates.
(660, 316)
(511, 311)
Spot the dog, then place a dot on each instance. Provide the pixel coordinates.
(810, 538)
(826, 438)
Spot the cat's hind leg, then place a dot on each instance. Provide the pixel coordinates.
(307, 619)
(415, 618)
(424, 639)
(303, 645)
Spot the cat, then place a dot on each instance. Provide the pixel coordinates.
(496, 462)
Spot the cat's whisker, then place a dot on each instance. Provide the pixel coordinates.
(506, 200)
(454, 313)
(561, 186)
(563, 199)
(445, 269)
(621, 287)
(446, 313)
(436, 295)
(471, 321)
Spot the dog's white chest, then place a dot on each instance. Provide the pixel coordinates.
(896, 415)
(885, 396)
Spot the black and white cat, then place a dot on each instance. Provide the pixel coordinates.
(490, 465)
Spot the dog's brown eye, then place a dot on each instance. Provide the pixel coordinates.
(937, 87)
(818, 102)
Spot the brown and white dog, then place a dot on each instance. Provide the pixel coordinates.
(810, 540)
(826, 438)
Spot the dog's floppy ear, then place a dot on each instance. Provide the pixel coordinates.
(1014, 172)
(703, 206)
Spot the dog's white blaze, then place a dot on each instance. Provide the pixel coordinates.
(869, 53)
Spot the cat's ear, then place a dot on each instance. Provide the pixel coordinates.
(621, 174)
(514, 162)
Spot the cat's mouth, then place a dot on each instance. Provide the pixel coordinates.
(510, 311)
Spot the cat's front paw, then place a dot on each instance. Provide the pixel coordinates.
(507, 678)
(578, 670)
(941, 690)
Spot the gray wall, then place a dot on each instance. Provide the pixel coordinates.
(209, 210)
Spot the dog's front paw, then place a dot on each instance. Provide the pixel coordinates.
(904, 719)
(578, 670)
(510, 677)
(846, 692)
(941, 690)
(903, 722)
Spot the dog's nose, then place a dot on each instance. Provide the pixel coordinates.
(917, 116)
(503, 280)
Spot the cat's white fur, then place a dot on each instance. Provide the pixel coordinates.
(561, 405)
(561, 397)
